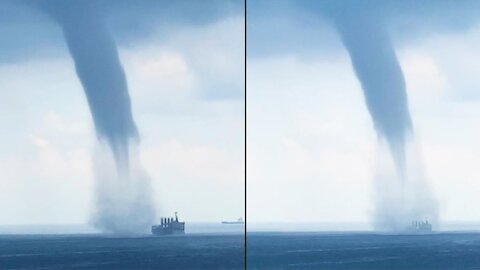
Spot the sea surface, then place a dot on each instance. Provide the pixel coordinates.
(363, 250)
(216, 246)
(205, 246)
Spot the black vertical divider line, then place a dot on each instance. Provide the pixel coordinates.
(245, 138)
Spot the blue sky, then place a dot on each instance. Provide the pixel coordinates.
(185, 75)
(312, 144)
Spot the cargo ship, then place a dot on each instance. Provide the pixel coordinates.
(420, 227)
(169, 226)
(238, 221)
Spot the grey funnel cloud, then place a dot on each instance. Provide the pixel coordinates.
(123, 198)
(377, 68)
(99, 69)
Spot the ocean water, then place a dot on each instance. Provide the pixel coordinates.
(205, 246)
(363, 250)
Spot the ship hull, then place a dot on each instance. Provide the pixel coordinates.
(166, 231)
(175, 228)
(162, 233)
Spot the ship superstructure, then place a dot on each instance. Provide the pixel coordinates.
(169, 225)
(420, 226)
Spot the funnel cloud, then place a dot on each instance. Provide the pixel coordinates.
(99, 69)
(123, 202)
(376, 66)
(402, 194)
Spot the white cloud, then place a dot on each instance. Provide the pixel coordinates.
(157, 77)
(216, 55)
(310, 142)
(202, 181)
(51, 185)
(424, 78)
(455, 56)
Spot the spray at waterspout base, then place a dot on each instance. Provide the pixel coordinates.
(401, 199)
(123, 201)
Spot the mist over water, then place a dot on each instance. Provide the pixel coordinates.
(123, 201)
(401, 199)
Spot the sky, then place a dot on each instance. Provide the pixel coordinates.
(311, 142)
(185, 73)
(312, 146)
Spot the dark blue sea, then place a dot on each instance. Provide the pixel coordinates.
(213, 249)
(204, 249)
(294, 250)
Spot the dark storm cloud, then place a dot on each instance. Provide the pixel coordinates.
(26, 31)
(304, 27)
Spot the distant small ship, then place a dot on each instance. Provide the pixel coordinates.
(420, 226)
(238, 221)
(169, 226)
